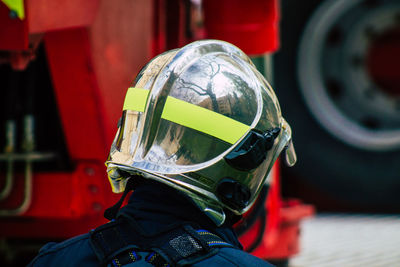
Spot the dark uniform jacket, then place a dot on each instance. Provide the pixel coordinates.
(154, 207)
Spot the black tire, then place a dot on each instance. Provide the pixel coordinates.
(327, 167)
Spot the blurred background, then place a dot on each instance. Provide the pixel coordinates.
(335, 67)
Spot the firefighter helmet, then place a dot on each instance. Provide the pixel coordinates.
(203, 120)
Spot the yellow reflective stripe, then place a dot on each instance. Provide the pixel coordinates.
(136, 99)
(191, 116)
(17, 6)
(203, 120)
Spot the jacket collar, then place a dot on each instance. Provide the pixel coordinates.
(156, 207)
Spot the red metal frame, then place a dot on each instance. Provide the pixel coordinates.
(72, 199)
(13, 31)
(251, 25)
(89, 104)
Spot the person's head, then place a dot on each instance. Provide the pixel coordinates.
(204, 121)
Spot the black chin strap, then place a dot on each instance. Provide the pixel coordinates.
(111, 212)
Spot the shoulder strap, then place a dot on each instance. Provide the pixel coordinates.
(119, 243)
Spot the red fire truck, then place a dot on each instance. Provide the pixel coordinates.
(65, 66)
